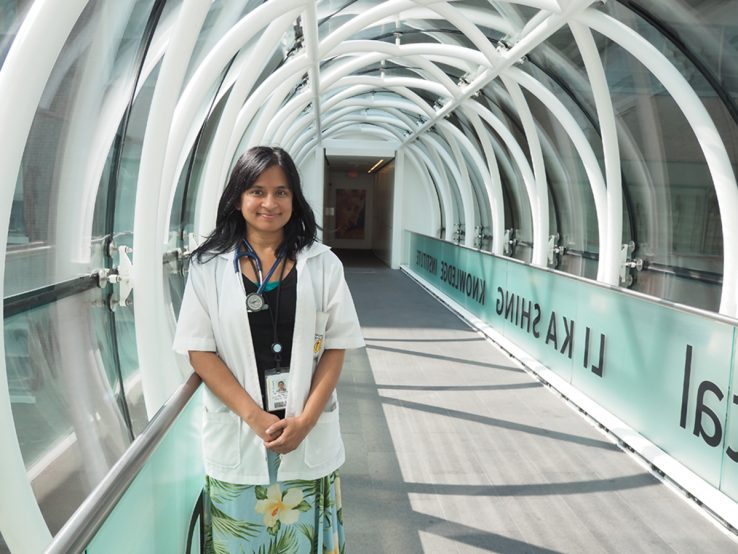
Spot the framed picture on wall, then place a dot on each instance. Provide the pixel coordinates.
(350, 213)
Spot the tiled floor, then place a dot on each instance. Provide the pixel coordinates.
(452, 448)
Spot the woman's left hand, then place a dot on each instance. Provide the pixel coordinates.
(294, 430)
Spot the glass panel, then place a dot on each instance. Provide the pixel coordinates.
(49, 236)
(182, 221)
(478, 187)
(118, 215)
(708, 28)
(518, 218)
(675, 208)
(221, 17)
(557, 64)
(571, 202)
(63, 359)
(168, 486)
(70, 428)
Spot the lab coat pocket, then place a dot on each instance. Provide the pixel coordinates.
(221, 438)
(321, 321)
(324, 445)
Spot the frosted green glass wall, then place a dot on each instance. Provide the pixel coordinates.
(154, 513)
(665, 371)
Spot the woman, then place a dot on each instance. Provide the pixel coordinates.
(265, 309)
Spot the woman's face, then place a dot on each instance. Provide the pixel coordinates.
(267, 205)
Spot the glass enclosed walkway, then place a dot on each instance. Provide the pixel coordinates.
(562, 170)
(452, 447)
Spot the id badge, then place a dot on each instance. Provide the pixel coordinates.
(277, 384)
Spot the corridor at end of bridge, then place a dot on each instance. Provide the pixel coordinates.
(452, 447)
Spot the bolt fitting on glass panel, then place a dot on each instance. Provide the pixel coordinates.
(509, 242)
(629, 266)
(459, 233)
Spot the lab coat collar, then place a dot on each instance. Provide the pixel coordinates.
(304, 253)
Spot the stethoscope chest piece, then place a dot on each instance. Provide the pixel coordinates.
(255, 302)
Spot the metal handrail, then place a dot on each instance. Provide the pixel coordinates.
(81, 528)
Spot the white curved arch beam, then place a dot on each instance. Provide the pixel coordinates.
(608, 269)
(505, 25)
(221, 148)
(581, 143)
(499, 61)
(453, 138)
(625, 141)
(267, 112)
(537, 192)
(183, 133)
(468, 198)
(413, 53)
(342, 78)
(378, 51)
(398, 82)
(495, 196)
(492, 183)
(356, 111)
(539, 195)
(494, 190)
(289, 72)
(432, 163)
(310, 142)
(310, 30)
(494, 187)
(206, 75)
(395, 84)
(385, 122)
(513, 147)
(289, 117)
(447, 216)
(24, 74)
(159, 374)
(462, 184)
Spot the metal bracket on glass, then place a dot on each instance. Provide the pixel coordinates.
(191, 244)
(459, 233)
(555, 250)
(180, 264)
(508, 247)
(173, 259)
(628, 265)
(480, 236)
(120, 275)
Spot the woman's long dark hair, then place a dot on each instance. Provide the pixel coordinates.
(230, 226)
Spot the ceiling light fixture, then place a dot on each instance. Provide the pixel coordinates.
(375, 166)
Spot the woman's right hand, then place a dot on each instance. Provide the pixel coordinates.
(260, 421)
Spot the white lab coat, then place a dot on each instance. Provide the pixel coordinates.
(213, 318)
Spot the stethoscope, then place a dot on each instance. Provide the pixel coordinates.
(255, 300)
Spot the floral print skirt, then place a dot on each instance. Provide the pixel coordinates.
(289, 517)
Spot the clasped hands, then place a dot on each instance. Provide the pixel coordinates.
(281, 435)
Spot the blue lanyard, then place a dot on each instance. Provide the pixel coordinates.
(251, 254)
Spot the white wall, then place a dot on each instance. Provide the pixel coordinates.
(384, 184)
(416, 206)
